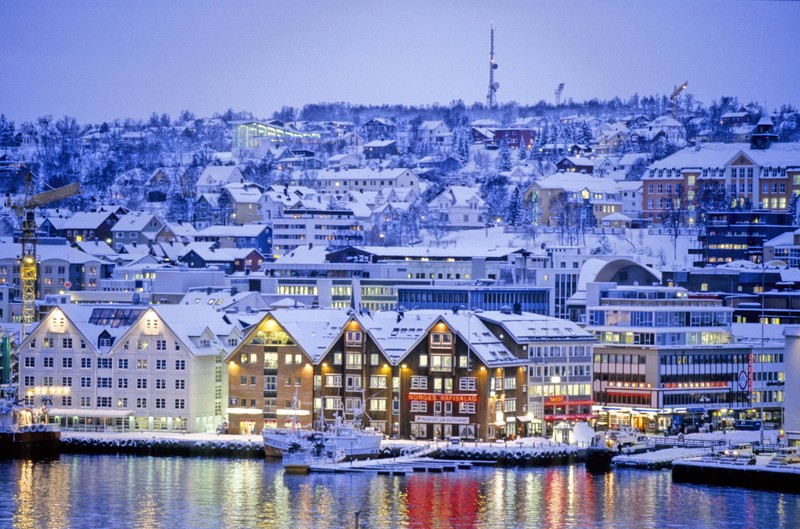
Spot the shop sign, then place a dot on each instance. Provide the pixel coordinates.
(438, 419)
(442, 397)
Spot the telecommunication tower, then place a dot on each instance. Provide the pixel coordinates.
(491, 97)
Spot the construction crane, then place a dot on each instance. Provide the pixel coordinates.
(25, 210)
(674, 98)
(558, 91)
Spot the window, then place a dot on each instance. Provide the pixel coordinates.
(103, 382)
(141, 403)
(66, 343)
(271, 360)
(466, 384)
(353, 337)
(86, 382)
(441, 340)
(333, 381)
(122, 402)
(441, 362)
(141, 363)
(353, 382)
(180, 365)
(419, 383)
(180, 404)
(510, 383)
(86, 363)
(378, 404)
(66, 402)
(48, 343)
(374, 359)
(122, 363)
(466, 408)
(419, 406)
(161, 345)
(161, 383)
(270, 383)
(180, 384)
(30, 361)
(122, 383)
(86, 402)
(103, 402)
(66, 362)
(66, 382)
(161, 364)
(141, 383)
(377, 382)
(29, 381)
(161, 403)
(354, 361)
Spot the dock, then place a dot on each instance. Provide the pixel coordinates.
(758, 474)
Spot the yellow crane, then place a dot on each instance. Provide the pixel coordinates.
(25, 210)
(674, 98)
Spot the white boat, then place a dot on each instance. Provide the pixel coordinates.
(348, 436)
(303, 454)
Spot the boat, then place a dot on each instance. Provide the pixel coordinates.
(598, 455)
(349, 436)
(303, 453)
(24, 433)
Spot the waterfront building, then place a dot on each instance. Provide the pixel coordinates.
(665, 360)
(559, 377)
(791, 423)
(128, 368)
(420, 374)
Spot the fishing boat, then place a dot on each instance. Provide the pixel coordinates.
(349, 436)
(303, 453)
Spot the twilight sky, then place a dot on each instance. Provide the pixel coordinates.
(99, 60)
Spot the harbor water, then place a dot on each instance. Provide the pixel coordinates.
(85, 491)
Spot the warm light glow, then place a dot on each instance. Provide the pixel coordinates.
(404, 366)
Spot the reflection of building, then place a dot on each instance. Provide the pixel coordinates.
(663, 359)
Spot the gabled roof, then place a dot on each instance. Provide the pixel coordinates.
(314, 330)
(397, 338)
(136, 222)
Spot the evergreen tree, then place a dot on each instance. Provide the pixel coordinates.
(514, 211)
(504, 157)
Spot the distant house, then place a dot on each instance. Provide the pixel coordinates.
(215, 177)
(137, 229)
(380, 149)
(379, 129)
(433, 132)
(573, 164)
(459, 207)
(258, 236)
(341, 161)
(228, 259)
(84, 225)
(514, 137)
(244, 199)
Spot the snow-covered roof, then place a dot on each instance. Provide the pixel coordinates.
(135, 222)
(245, 193)
(234, 230)
(714, 155)
(529, 327)
(314, 330)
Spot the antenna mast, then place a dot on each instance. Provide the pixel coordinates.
(491, 99)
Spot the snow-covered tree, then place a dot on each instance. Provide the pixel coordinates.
(504, 162)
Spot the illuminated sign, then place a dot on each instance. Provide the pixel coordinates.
(433, 419)
(442, 397)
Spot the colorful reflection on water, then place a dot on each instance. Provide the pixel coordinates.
(166, 493)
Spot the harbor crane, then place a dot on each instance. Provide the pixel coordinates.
(674, 98)
(25, 209)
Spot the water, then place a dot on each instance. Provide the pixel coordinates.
(80, 491)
